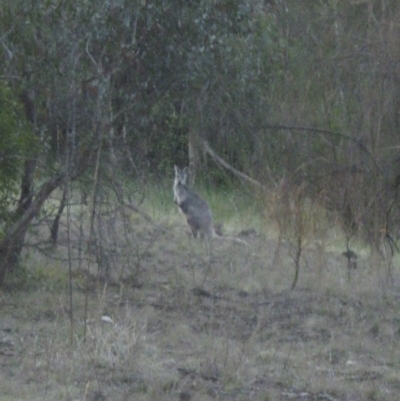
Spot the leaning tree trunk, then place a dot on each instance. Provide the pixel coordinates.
(12, 243)
(15, 248)
(56, 222)
(29, 206)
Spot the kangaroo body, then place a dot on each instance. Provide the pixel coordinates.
(197, 211)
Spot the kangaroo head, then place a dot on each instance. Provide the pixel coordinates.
(180, 185)
(180, 176)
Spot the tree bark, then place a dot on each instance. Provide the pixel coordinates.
(194, 153)
(195, 140)
(56, 222)
(12, 243)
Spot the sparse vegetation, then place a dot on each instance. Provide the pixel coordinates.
(286, 113)
(157, 329)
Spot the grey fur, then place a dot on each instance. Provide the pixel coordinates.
(197, 211)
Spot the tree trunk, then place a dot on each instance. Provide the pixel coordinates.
(56, 221)
(195, 141)
(13, 241)
(194, 153)
(11, 249)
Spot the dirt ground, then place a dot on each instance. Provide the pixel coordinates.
(174, 322)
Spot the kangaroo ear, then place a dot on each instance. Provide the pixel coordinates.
(176, 169)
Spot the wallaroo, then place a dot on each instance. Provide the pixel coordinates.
(197, 211)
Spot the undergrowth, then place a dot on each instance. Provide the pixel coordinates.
(172, 320)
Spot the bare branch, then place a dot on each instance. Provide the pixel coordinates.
(325, 132)
(219, 160)
(44, 192)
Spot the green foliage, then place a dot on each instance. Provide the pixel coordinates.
(24, 278)
(194, 65)
(16, 145)
(142, 75)
(173, 66)
(225, 69)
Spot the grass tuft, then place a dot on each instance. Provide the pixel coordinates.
(166, 319)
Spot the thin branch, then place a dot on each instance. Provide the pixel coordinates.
(46, 189)
(6, 48)
(131, 205)
(99, 69)
(325, 132)
(8, 51)
(127, 149)
(91, 230)
(219, 160)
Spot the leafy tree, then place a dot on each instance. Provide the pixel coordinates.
(128, 81)
(276, 88)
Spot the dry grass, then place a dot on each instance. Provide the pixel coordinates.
(179, 324)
